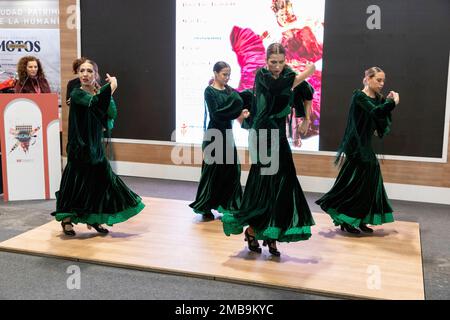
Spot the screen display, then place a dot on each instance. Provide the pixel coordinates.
(238, 32)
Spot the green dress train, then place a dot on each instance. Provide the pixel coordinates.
(219, 187)
(358, 195)
(90, 192)
(273, 202)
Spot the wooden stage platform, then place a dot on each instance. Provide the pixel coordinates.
(168, 237)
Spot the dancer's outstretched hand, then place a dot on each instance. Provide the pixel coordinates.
(112, 81)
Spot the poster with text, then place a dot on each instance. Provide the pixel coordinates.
(30, 28)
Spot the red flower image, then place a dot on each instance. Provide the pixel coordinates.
(301, 46)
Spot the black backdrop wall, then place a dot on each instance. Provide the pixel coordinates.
(135, 41)
(412, 47)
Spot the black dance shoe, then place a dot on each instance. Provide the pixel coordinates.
(253, 244)
(272, 247)
(208, 216)
(365, 228)
(98, 227)
(67, 232)
(349, 228)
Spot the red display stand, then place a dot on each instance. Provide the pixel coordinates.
(30, 146)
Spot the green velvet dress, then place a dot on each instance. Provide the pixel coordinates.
(219, 187)
(90, 192)
(358, 195)
(273, 202)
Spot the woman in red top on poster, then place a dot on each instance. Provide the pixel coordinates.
(31, 76)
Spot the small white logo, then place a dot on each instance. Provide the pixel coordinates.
(374, 20)
(374, 278)
(74, 280)
(71, 22)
